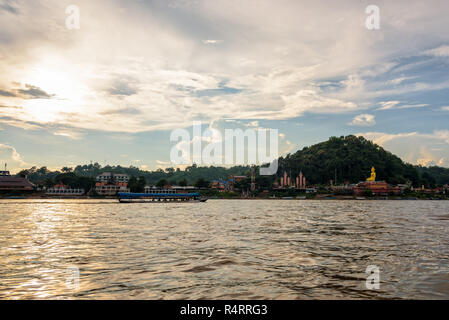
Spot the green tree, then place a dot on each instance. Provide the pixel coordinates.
(49, 182)
(133, 184)
(141, 183)
(23, 173)
(201, 183)
(161, 183)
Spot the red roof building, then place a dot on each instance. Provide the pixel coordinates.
(110, 189)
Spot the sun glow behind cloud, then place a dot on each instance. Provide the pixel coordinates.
(136, 66)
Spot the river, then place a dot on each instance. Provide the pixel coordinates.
(223, 249)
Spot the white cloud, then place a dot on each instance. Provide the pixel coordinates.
(411, 106)
(311, 101)
(9, 155)
(169, 73)
(445, 108)
(275, 61)
(210, 41)
(442, 134)
(363, 120)
(442, 51)
(388, 105)
(414, 147)
(72, 134)
(353, 82)
(382, 138)
(399, 80)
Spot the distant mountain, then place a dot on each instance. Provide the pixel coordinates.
(349, 159)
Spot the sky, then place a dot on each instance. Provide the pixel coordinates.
(114, 89)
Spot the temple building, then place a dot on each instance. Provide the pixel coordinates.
(287, 182)
(377, 188)
(10, 183)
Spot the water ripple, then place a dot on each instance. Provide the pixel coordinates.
(224, 249)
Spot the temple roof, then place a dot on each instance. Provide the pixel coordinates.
(15, 182)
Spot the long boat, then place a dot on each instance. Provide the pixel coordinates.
(127, 197)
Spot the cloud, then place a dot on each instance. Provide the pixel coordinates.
(353, 82)
(212, 41)
(28, 92)
(172, 62)
(382, 138)
(414, 147)
(122, 87)
(9, 155)
(182, 3)
(363, 120)
(388, 104)
(27, 125)
(311, 101)
(399, 80)
(445, 108)
(72, 134)
(8, 6)
(442, 51)
(33, 92)
(411, 106)
(122, 111)
(267, 67)
(442, 134)
(7, 93)
(258, 73)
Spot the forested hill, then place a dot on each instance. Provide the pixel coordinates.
(350, 159)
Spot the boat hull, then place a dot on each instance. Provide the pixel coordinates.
(160, 197)
(159, 201)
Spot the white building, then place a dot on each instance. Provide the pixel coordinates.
(63, 190)
(117, 177)
(107, 189)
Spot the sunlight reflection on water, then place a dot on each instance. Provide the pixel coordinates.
(223, 249)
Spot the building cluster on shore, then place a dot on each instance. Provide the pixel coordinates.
(110, 184)
(11, 183)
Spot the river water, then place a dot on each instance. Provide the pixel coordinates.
(223, 249)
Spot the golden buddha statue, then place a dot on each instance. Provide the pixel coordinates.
(373, 175)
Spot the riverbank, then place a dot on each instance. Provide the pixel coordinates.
(318, 197)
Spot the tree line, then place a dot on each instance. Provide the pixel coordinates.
(340, 159)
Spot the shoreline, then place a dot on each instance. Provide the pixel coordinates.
(327, 198)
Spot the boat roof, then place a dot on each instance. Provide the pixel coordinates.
(139, 195)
